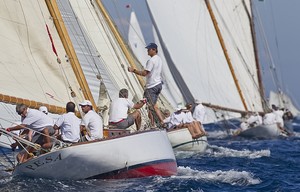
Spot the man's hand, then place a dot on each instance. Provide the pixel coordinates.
(131, 69)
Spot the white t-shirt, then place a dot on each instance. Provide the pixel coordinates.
(269, 118)
(255, 119)
(188, 117)
(177, 118)
(119, 108)
(279, 119)
(199, 113)
(168, 121)
(154, 66)
(36, 120)
(93, 122)
(70, 127)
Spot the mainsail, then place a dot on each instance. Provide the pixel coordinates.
(30, 72)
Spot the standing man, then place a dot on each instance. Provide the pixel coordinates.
(69, 125)
(153, 86)
(91, 122)
(118, 114)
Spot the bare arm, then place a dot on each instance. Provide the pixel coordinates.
(137, 72)
(17, 127)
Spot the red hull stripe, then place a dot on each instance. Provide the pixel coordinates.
(165, 167)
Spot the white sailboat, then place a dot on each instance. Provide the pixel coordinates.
(40, 79)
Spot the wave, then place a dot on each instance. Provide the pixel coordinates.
(232, 177)
(216, 151)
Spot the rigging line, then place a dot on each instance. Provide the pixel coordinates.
(115, 49)
(108, 71)
(85, 41)
(272, 67)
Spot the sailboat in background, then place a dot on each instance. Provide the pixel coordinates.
(36, 40)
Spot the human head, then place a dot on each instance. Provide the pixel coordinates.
(43, 109)
(21, 109)
(188, 106)
(123, 93)
(274, 107)
(197, 101)
(86, 106)
(70, 107)
(166, 113)
(152, 48)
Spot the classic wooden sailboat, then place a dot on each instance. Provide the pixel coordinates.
(49, 73)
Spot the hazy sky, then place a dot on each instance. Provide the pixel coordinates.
(277, 19)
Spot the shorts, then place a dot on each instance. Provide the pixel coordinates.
(125, 123)
(39, 138)
(152, 94)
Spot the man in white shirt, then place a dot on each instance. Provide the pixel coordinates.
(152, 72)
(199, 115)
(118, 114)
(69, 125)
(91, 122)
(37, 121)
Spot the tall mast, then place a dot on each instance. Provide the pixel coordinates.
(225, 53)
(119, 39)
(259, 76)
(66, 41)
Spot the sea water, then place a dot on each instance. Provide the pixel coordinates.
(229, 164)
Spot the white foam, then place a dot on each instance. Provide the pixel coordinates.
(216, 151)
(232, 177)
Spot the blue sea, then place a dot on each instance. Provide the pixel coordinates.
(229, 164)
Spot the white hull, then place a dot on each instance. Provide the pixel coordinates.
(181, 139)
(137, 155)
(261, 131)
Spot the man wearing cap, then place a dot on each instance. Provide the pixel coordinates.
(153, 86)
(118, 117)
(91, 122)
(69, 125)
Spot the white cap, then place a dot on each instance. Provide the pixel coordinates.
(85, 102)
(197, 101)
(179, 107)
(43, 109)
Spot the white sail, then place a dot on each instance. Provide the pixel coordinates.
(29, 67)
(283, 101)
(136, 39)
(113, 62)
(193, 44)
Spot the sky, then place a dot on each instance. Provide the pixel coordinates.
(278, 37)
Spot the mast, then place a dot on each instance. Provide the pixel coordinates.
(66, 41)
(119, 39)
(259, 76)
(225, 53)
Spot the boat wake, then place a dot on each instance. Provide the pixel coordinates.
(216, 151)
(232, 177)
